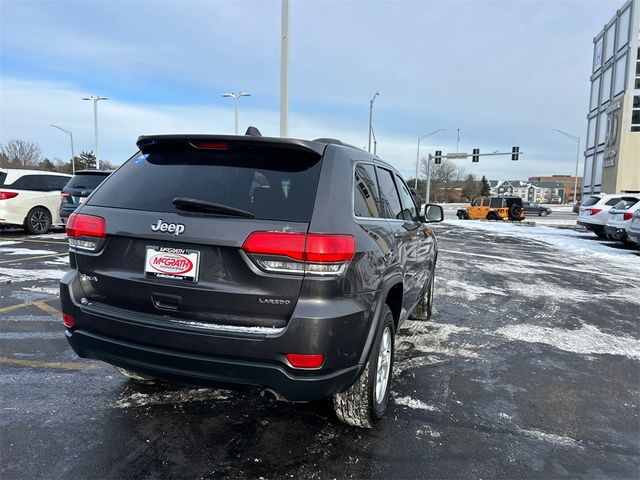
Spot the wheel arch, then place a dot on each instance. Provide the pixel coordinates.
(38, 206)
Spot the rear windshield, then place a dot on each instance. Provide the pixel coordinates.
(625, 203)
(590, 201)
(271, 182)
(86, 180)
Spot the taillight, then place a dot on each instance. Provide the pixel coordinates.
(313, 253)
(593, 211)
(85, 231)
(302, 360)
(67, 320)
(7, 195)
(64, 196)
(627, 216)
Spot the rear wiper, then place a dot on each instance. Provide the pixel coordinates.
(195, 205)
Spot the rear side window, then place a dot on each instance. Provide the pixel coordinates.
(273, 183)
(612, 202)
(29, 182)
(590, 201)
(3, 175)
(626, 203)
(365, 196)
(88, 181)
(54, 182)
(408, 205)
(496, 203)
(388, 194)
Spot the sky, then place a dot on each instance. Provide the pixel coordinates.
(502, 72)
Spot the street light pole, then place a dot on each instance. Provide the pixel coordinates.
(415, 184)
(575, 139)
(95, 100)
(73, 157)
(370, 118)
(284, 70)
(235, 103)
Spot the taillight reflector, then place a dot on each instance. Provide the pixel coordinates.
(300, 360)
(8, 195)
(627, 216)
(312, 247)
(67, 320)
(80, 225)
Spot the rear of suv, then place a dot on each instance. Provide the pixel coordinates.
(594, 211)
(78, 189)
(277, 265)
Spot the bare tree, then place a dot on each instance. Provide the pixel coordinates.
(20, 154)
(471, 188)
(442, 177)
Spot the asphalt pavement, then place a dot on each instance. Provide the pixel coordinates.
(529, 368)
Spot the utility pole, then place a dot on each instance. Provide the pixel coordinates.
(95, 100)
(370, 118)
(235, 97)
(73, 157)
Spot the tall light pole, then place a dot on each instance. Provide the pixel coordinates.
(370, 117)
(415, 184)
(95, 99)
(575, 139)
(235, 97)
(73, 157)
(284, 70)
(375, 142)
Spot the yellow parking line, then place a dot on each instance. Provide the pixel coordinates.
(32, 258)
(47, 308)
(14, 307)
(38, 303)
(41, 364)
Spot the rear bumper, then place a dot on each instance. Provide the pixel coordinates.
(615, 232)
(65, 211)
(591, 226)
(239, 360)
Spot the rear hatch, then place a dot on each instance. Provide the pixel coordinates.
(176, 216)
(80, 187)
(622, 212)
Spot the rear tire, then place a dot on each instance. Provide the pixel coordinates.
(424, 309)
(492, 216)
(365, 402)
(37, 221)
(139, 377)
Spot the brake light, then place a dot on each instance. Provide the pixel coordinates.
(64, 195)
(593, 211)
(7, 195)
(314, 253)
(84, 231)
(627, 216)
(67, 320)
(300, 360)
(213, 145)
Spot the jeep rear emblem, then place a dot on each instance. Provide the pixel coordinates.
(175, 228)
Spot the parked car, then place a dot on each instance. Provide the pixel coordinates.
(493, 208)
(620, 219)
(78, 189)
(535, 209)
(633, 232)
(232, 260)
(30, 199)
(594, 211)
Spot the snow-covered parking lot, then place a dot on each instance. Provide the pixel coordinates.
(528, 369)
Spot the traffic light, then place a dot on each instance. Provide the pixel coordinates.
(515, 152)
(475, 157)
(438, 157)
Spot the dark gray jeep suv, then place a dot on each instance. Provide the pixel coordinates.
(277, 265)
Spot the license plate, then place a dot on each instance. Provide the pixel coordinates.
(174, 263)
(82, 199)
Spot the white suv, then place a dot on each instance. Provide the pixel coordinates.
(594, 211)
(31, 198)
(619, 221)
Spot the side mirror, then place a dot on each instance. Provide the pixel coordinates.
(433, 213)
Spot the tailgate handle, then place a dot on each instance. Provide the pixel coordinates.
(164, 301)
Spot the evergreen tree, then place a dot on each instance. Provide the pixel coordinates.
(485, 188)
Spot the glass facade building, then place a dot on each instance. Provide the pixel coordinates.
(612, 151)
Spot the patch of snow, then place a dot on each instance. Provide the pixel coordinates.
(26, 251)
(426, 430)
(468, 291)
(505, 416)
(30, 335)
(139, 399)
(586, 340)
(47, 290)
(59, 261)
(415, 404)
(24, 275)
(559, 440)
(230, 328)
(7, 242)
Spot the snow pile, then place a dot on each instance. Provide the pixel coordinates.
(138, 399)
(415, 404)
(23, 275)
(586, 340)
(24, 251)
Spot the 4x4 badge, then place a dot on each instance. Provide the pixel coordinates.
(175, 228)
